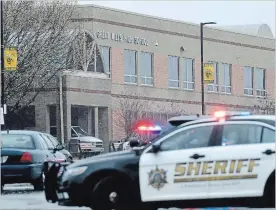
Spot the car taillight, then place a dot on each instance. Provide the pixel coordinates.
(26, 158)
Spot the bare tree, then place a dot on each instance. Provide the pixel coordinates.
(85, 53)
(128, 112)
(266, 106)
(41, 32)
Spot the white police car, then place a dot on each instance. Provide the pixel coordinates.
(225, 160)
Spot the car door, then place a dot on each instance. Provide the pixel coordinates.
(49, 147)
(178, 170)
(241, 165)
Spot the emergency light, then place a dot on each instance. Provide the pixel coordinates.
(149, 128)
(223, 114)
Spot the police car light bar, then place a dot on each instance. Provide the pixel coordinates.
(222, 114)
(149, 128)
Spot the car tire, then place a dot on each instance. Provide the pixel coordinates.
(110, 194)
(39, 183)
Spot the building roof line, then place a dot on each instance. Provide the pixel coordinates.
(170, 33)
(170, 20)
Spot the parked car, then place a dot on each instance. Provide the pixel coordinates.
(24, 156)
(55, 142)
(77, 133)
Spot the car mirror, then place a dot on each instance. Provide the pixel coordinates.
(156, 148)
(134, 143)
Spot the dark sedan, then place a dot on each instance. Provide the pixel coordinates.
(24, 155)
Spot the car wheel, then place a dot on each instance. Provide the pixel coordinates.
(39, 183)
(110, 194)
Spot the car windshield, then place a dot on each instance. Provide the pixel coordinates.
(80, 131)
(18, 141)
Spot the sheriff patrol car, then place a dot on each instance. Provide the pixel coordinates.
(225, 160)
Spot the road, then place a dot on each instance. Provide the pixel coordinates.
(22, 197)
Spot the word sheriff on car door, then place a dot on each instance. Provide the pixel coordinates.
(216, 170)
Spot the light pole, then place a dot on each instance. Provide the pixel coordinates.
(202, 71)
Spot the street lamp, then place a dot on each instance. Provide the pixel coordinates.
(202, 71)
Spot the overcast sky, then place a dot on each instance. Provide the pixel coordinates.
(222, 12)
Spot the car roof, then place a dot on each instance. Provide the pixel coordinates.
(188, 117)
(20, 132)
(234, 118)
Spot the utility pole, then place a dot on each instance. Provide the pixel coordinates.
(202, 66)
(2, 61)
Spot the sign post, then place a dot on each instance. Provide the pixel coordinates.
(208, 73)
(10, 59)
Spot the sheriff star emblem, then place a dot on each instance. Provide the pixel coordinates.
(157, 178)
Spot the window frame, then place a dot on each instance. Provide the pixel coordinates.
(178, 75)
(214, 88)
(181, 129)
(241, 122)
(223, 86)
(109, 59)
(130, 75)
(144, 77)
(248, 90)
(260, 93)
(185, 70)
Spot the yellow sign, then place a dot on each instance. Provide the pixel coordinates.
(10, 59)
(208, 73)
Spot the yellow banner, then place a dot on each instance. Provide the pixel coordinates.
(10, 59)
(208, 73)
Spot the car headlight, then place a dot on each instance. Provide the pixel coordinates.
(75, 171)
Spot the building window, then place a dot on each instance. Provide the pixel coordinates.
(214, 87)
(188, 69)
(105, 55)
(260, 82)
(225, 77)
(248, 80)
(130, 64)
(173, 71)
(146, 68)
(53, 120)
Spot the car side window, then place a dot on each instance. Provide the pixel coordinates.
(50, 145)
(236, 134)
(192, 138)
(43, 143)
(268, 135)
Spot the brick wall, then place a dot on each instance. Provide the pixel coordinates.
(237, 80)
(160, 71)
(270, 83)
(117, 65)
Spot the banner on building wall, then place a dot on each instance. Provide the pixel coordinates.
(10, 59)
(208, 73)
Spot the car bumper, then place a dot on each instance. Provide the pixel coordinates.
(66, 193)
(20, 173)
(98, 149)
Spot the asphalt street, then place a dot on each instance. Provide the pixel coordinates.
(22, 197)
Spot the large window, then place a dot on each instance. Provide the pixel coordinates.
(130, 64)
(146, 68)
(248, 80)
(225, 78)
(188, 139)
(173, 71)
(188, 69)
(260, 82)
(105, 55)
(214, 87)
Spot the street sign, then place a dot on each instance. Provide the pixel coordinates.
(10, 59)
(208, 73)
(2, 122)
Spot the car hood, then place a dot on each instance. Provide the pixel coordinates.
(104, 157)
(88, 139)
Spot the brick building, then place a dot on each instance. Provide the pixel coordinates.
(158, 60)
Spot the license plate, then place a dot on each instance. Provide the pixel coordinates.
(63, 195)
(4, 159)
